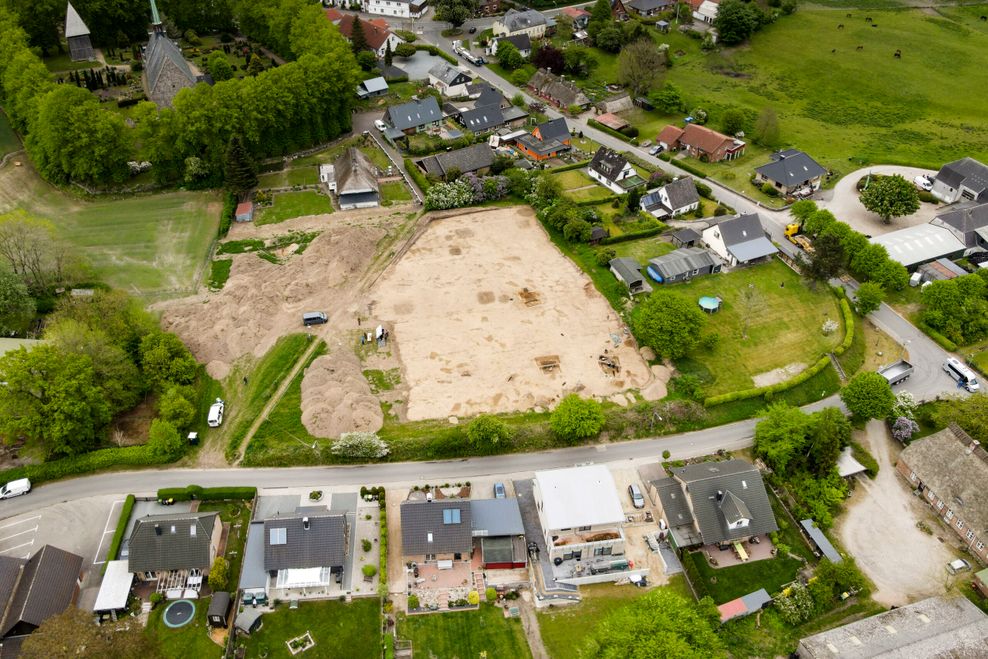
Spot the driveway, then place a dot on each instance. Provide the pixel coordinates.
(879, 530)
(843, 202)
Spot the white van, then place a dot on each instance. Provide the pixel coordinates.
(15, 488)
(215, 417)
(962, 374)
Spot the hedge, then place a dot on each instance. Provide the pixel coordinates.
(845, 308)
(128, 456)
(867, 460)
(941, 340)
(416, 175)
(382, 582)
(566, 168)
(635, 160)
(771, 389)
(118, 535)
(682, 164)
(206, 493)
(610, 131)
(226, 219)
(596, 202)
(635, 235)
(433, 50)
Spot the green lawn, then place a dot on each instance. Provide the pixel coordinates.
(219, 272)
(63, 62)
(484, 632)
(644, 249)
(394, 191)
(350, 631)
(784, 323)
(574, 178)
(597, 192)
(192, 640)
(725, 584)
(8, 140)
(288, 205)
(289, 177)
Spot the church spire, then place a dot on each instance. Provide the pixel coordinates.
(155, 18)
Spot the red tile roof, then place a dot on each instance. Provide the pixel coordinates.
(334, 15)
(244, 208)
(705, 139)
(669, 135)
(375, 34)
(574, 12)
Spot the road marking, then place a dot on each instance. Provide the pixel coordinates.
(26, 544)
(106, 530)
(2, 540)
(29, 519)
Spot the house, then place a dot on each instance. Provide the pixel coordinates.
(437, 531)
(218, 613)
(949, 469)
(715, 503)
(449, 80)
(33, 590)
(77, 35)
(166, 72)
(373, 87)
(739, 240)
(649, 7)
(488, 7)
(498, 533)
(934, 627)
(483, 119)
(483, 93)
(377, 34)
(175, 550)
(705, 11)
(399, 8)
(580, 513)
(414, 116)
(702, 142)
(559, 92)
(619, 11)
(682, 265)
(578, 15)
(920, 244)
(356, 180)
(672, 199)
(529, 22)
(476, 159)
(613, 171)
(790, 171)
(523, 42)
(244, 211)
(307, 548)
(628, 271)
(968, 221)
(685, 238)
(547, 140)
(962, 179)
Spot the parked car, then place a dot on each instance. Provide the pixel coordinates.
(959, 565)
(637, 500)
(923, 182)
(380, 125)
(15, 488)
(215, 417)
(655, 150)
(314, 318)
(646, 143)
(499, 492)
(472, 30)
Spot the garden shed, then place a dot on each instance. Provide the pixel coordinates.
(218, 613)
(244, 212)
(249, 620)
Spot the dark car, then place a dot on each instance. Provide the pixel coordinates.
(472, 30)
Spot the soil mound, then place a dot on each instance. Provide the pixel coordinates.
(337, 399)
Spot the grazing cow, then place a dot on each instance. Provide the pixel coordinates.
(898, 54)
(984, 18)
(867, 19)
(859, 48)
(849, 15)
(833, 52)
(840, 26)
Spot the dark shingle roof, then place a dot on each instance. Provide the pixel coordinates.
(563, 92)
(967, 171)
(522, 42)
(422, 520)
(682, 193)
(628, 269)
(289, 545)
(554, 129)
(46, 586)
(608, 163)
(686, 235)
(219, 605)
(467, 159)
(413, 114)
(733, 479)
(515, 20)
(482, 118)
(966, 218)
(681, 261)
(176, 547)
(741, 229)
(673, 501)
(449, 74)
(355, 173)
(649, 5)
(791, 167)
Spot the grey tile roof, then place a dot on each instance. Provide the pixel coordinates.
(46, 586)
(966, 219)
(483, 118)
(682, 193)
(355, 173)
(515, 20)
(413, 114)
(449, 74)
(496, 517)
(522, 42)
(628, 269)
(674, 504)
(554, 129)
(703, 481)
(163, 58)
(643, 6)
(681, 261)
(791, 168)
(323, 544)
(741, 228)
(175, 547)
(467, 159)
(608, 163)
(937, 627)
(966, 171)
(74, 25)
(686, 236)
(422, 519)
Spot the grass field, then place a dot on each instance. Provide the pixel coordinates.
(63, 62)
(288, 205)
(219, 272)
(725, 584)
(8, 140)
(192, 640)
(644, 249)
(784, 321)
(484, 632)
(351, 631)
(287, 178)
(394, 191)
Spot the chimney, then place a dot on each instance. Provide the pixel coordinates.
(720, 496)
(157, 529)
(972, 447)
(305, 523)
(428, 496)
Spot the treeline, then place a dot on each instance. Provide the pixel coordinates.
(71, 137)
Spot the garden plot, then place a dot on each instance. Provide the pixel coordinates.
(487, 316)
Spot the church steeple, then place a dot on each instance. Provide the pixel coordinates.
(155, 18)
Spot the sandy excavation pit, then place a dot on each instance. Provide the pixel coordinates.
(488, 316)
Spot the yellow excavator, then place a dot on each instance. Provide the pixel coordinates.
(796, 238)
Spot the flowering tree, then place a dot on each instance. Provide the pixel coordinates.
(904, 428)
(360, 445)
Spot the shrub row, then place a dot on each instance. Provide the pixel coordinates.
(118, 535)
(683, 164)
(433, 50)
(128, 456)
(941, 340)
(635, 160)
(771, 389)
(571, 166)
(206, 493)
(610, 131)
(665, 156)
(417, 175)
(382, 579)
(226, 219)
(634, 235)
(595, 202)
(845, 308)
(867, 460)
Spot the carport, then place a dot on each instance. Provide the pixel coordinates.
(115, 589)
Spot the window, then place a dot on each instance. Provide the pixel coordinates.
(278, 537)
(960, 523)
(451, 516)
(939, 505)
(430, 557)
(970, 535)
(950, 514)
(149, 576)
(930, 494)
(980, 546)
(583, 528)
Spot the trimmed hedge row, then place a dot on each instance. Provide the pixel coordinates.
(416, 174)
(433, 50)
(206, 493)
(682, 164)
(610, 131)
(118, 535)
(940, 339)
(771, 389)
(382, 580)
(128, 456)
(623, 238)
(595, 202)
(845, 308)
(867, 460)
(571, 166)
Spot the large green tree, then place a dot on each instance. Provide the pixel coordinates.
(576, 418)
(669, 323)
(166, 361)
(868, 396)
(969, 412)
(508, 56)
(736, 21)
(72, 634)
(868, 297)
(890, 196)
(668, 99)
(639, 66)
(455, 12)
(781, 436)
(52, 399)
(32, 250)
(219, 66)
(241, 175)
(164, 442)
(16, 304)
(487, 432)
(831, 433)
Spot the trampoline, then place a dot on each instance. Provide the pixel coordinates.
(710, 304)
(179, 613)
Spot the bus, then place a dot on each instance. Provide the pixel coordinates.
(962, 374)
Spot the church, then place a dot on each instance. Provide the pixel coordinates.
(165, 70)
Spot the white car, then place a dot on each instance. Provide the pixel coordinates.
(215, 417)
(380, 125)
(959, 565)
(923, 182)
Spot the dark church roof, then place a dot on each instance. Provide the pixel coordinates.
(165, 70)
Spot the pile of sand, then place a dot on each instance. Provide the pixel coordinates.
(336, 398)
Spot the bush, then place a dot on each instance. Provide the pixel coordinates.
(604, 256)
(226, 218)
(487, 432)
(366, 544)
(610, 131)
(630, 131)
(866, 459)
(118, 535)
(361, 445)
(413, 602)
(156, 598)
(769, 189)
(845, 308)
(219, 574)
(164, 442)
(404, 50)
(666, 454)
(473, 597)
(927, 197)
(369, 570)
(131, 456)
(704, 190)
(577, 418)
(416, 175)
(490, 594)
(406, 35)
(207, 493)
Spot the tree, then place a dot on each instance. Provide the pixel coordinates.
(166, 361)
(218, 66)
(869, 297)
(736, 21)
(668, 323)
(868, 396)
(660, 623)
(164, 442)
(735, 121)
(241, 176)
(867, 261)
(548, 57)
(892, 275)
(219, 574)
(802, 209)
(255, 67)
(52, 400)
(405, 50)
(366, 445)
(890, 196)
(455, 12)
(600, 17)
(579, 61)
(367, 60)
(508, 56)
(766, 131)
(16, 304)
(609, 38)
(831, 433)
(175, 408)
(576, 418)
(817, 221)
(969, 412)
(639, 65)
(668, 100)
(487, 432)
(72, 634)
(781, 437)
(388, 55)
(827, 260)
(634, 199)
